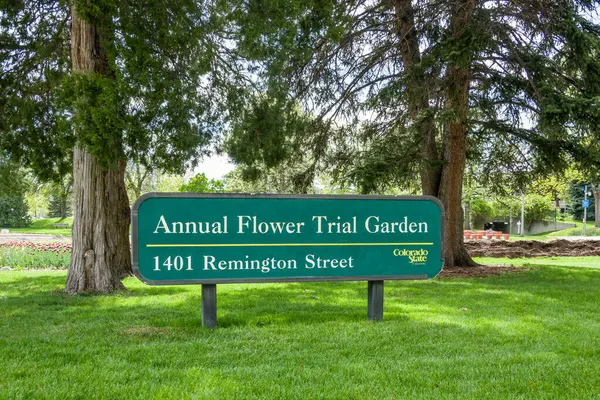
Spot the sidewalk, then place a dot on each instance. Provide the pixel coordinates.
(32, 237)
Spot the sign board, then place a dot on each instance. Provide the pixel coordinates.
(190, 238)
(585, 203)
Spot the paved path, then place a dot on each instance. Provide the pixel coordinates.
(32, 237)
(576, 238)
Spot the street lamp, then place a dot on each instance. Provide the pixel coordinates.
(522, 214)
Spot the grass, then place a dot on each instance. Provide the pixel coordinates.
(591, 230)
(46, 226)
(517, 336)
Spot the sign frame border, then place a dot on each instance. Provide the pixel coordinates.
(141, 199)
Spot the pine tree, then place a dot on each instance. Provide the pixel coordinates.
(94, 84)
(576, 197)
(13, 186)
(402, 89)
(60, 199)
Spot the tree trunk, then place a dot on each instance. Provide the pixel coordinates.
(444, 178)
(457, 102)
(101, 253)
(418, 97)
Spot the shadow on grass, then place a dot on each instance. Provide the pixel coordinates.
(494, 298)
(36, 285)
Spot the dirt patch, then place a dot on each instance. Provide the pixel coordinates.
(478, 272)
(533, 248)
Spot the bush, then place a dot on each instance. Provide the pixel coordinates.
(537, 208)
(13, 212)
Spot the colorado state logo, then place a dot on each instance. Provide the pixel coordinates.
(417, 257)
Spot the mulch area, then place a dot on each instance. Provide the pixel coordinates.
(518, 249)
(533, 248)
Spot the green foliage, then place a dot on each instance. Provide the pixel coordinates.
(201, 184)
(532, 108)
(268, 133)
(171, 78)
(60, 198)
(13, 212)
(37, 203)
(591, 230)
(283, 179)
(576, 197)
(59, 207)
(537, 208)
(140, 179)
(13, 180)
(481, 211)
(98, 115)
(507, 206)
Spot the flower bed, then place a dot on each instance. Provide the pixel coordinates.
(23, 254)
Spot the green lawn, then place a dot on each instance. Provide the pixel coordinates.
(531, 335)
(45, 226)
(591, 230)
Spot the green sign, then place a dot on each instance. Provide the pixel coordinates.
(188, 238)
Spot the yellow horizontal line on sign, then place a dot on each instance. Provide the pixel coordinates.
(286, 244)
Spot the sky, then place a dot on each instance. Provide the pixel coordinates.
(214, 167)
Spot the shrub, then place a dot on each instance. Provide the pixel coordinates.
(13, 212)
(537, 208)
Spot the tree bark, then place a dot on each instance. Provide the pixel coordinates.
(457, 102)
(101, 253)
(440, 178)
(418, 97)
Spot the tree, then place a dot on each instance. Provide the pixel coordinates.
(140, 180)
(60, 198)
(481, 211)
(13, 180)
(37, 202)
(201, 184)
(13, 212)
(283, 179)
(576, 197)
(13, 186)
(94, 84)
(596, 191)
(405, 88)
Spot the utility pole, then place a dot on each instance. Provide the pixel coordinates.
(509, 219)
(522, 214)
(585, 202)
